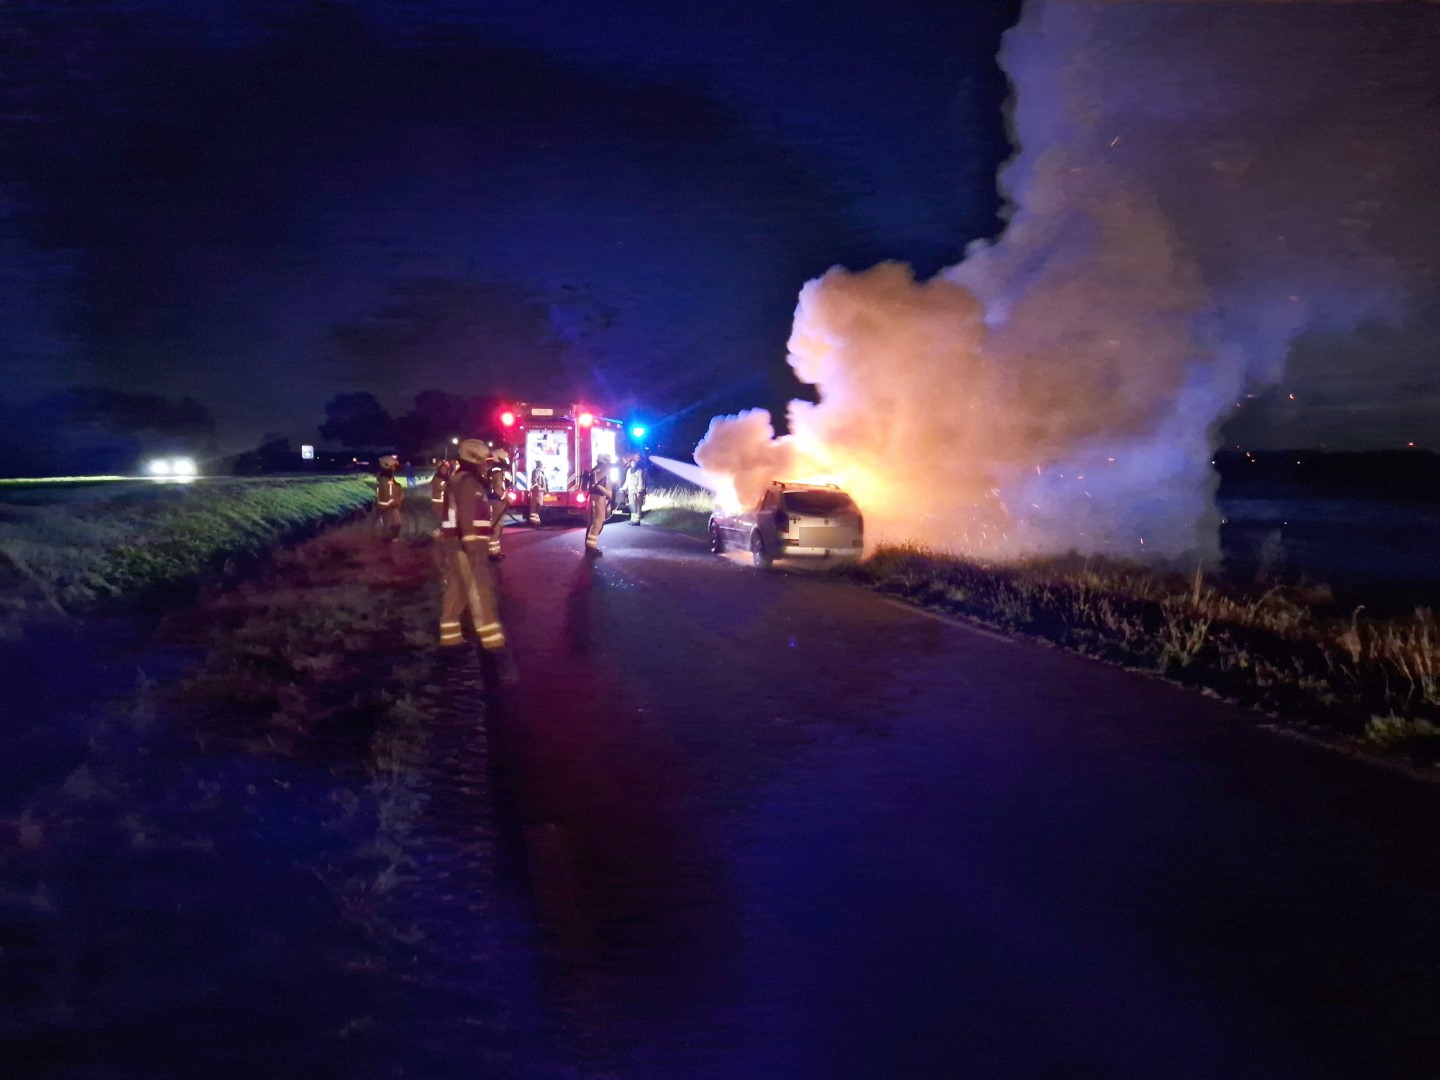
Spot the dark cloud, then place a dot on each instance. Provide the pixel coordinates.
(262, 218)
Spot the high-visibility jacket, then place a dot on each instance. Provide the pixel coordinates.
(388, 492)
(597, 483)
(437, 490)
(467, 510)
(497, 479)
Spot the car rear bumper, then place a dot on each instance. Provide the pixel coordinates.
(815, 552)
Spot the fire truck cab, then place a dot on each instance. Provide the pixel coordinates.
(565, 441)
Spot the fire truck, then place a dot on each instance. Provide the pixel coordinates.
(565, 441)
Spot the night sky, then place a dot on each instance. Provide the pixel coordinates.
(261, 204)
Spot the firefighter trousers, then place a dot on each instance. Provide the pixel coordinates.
(468, 587)
(599, 511)
(387, 523)
(497, 525)
(537, 498)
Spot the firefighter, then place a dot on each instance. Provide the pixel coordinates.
(464, 528)
(539, 487)
(497, 487)
(635, 488)
(438, 480)
(389, 496)
(437, 485)
(602, 492)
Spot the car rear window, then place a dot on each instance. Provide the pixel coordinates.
(822, 503)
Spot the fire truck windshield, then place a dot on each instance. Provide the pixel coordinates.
(602, 441)
(551, 450)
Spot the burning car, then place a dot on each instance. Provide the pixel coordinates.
(816, 520)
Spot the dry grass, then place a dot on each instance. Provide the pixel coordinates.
(693, 499)
(684, 509)
(1283, 650)
(304, 723)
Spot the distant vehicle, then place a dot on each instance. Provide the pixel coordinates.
(565, 441)
(815, 520)
(171, 468)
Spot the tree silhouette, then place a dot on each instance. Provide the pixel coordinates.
(357, 420)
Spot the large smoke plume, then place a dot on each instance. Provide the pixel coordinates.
(1185, 201)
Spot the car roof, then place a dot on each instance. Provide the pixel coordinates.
(785, 485)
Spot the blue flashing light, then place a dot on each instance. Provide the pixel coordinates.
(637, 431)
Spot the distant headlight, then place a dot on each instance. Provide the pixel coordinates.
(158, 467)
(614, 475)
(182, 466)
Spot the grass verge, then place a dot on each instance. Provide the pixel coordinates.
(67, 557)
(259, 815)
(684, 509)
(1372, 682)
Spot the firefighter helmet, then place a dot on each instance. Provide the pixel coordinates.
(389, 461)
(474, 451)
(501, 455)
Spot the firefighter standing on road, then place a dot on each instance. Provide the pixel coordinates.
(437, 486)
(389, 496)
(539, 487)
(467, 576)
(635, 488)
(497, 487)
(602, 493)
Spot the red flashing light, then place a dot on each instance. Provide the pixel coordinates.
(581, 499)
(513, 495)
(586, 419)
(507, 418)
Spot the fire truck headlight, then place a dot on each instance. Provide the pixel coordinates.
(182, 466)
(158, 467)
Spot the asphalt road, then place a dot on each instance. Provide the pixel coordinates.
(780, 827)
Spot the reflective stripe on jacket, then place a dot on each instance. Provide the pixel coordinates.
(467, 511)
(388, 493)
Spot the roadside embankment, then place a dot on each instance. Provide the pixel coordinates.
(248, 833)
(1373, 683)
(70, 556)
(684, 509)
